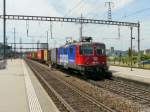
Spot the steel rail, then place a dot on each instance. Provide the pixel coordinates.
(124, 92)
(84, 95)
(137, 98)
(68, 107)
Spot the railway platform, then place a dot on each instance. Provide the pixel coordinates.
(20, 91)
(139, 75)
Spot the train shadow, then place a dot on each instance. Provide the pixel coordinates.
(85, 77)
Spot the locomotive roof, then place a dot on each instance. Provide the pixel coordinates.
(82, 43)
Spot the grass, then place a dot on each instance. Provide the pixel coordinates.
(147, 66)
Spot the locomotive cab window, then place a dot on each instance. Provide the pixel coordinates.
(86, 49)
(100, 50)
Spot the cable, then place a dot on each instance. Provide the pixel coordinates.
(110, 3)
(77, 5)
(27, 28)
(95, 7)
(137, 12)
(133, 14)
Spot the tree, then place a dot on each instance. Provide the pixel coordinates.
(129, 52)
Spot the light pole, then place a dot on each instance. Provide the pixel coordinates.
(4, 28)
(81, 28)
(51, 30)
(47, 39)
(14, 43)
(131, 28)
(139, 52)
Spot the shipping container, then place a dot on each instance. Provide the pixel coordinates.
(29, 55)
(34, 55)
(40, 55)
(53, 56)
(45, 55)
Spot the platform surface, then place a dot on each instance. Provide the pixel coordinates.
(140, 75)
(20, 91)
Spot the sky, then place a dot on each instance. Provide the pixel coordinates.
(122, 10)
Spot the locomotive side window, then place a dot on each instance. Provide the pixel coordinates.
(61, 50)
(65, 51)
(100, 50)
(86, 49)
(71, 50)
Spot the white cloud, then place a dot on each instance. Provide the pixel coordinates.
(118, 4)
(49, 7)
(92, 7)
(31, 7)
(89, 8)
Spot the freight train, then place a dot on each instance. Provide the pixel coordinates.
(86, 57)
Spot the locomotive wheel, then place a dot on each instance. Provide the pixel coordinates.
(108, 74)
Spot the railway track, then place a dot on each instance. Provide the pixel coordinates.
(57, 99)
(67, 97)
(138, 85)
(129, 91)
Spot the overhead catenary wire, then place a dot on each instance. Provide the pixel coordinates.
(27, 28)
(133, 14)
(34, 36)
(110, 5)
(76, 6)
(96, 6)
(136, 13)
(51, 29)
(130, 15)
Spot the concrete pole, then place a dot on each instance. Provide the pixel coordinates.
(81, 28)
(139, 53)
(131, 46)
(14, 43)
(4, 28)
(51, 29)
(47, 39)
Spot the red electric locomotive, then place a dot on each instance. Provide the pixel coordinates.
(91, 57)
(87, 57)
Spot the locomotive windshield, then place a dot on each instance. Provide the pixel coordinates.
(86, 49)
(100, 50)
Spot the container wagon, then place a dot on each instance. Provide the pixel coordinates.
(47, 54)
(54, 57)
(40, 56)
